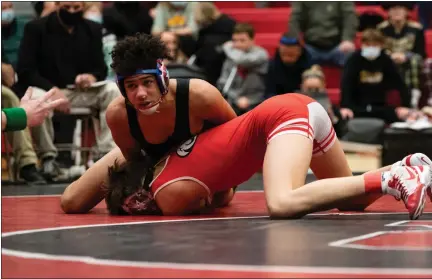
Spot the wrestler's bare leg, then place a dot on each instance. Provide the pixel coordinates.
(285, 165)
(88, 190)
(334, 164)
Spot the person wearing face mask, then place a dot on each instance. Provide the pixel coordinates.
(314, 85)
(63, 52)
(286, 69)
(367, 77)
(155, 113)
(12, 26)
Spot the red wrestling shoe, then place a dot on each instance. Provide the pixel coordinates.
(417, 159)
(410, 184)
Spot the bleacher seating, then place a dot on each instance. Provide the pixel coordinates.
(270, 23)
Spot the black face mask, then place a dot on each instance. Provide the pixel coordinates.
(70, 19)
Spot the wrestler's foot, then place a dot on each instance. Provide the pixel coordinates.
(410, 185)
(417, 159)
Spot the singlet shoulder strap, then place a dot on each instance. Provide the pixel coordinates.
(134, 127)
(182, 126)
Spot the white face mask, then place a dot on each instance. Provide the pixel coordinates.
(151, 110)
(7, 15)
(371, 52)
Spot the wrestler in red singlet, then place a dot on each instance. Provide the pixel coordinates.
(231, 153)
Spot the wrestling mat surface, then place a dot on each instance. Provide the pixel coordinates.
(38, 240)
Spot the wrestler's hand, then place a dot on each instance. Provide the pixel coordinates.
(38, 109)
(346, 113)
(243, 103)
(84, 81)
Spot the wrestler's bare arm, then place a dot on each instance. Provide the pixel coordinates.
(207, 102)
(86, 192)
(116, 117)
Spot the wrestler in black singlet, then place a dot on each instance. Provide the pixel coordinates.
(181, 130)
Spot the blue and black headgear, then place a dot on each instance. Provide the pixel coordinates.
(160, 72)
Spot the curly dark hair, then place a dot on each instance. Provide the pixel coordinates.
(137, 52)
(126, 180)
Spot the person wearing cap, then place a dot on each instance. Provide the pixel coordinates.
(404, 42)
(154, 114)
(286, 69)
(403, 37)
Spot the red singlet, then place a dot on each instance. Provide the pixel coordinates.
(231, 153)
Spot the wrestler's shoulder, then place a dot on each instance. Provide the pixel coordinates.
(203, 93)
(116, 110)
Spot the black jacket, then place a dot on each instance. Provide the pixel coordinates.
(209, 52)
(365, 84)
(49, 56)
(410, 39)
(286, 78)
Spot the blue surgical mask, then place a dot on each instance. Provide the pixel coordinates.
(7, 16)
(371, 52)
(94, 17)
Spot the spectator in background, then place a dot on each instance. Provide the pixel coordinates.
(425, 13)
(313, 84)
(171, 41)
(177, 17)
(94, 11)
(286, 69)
(426, 84)
(12, 27)
(44, 8)
(242, 79)
(368, 75)
(215, 29)
(22, 145)
(329, 29)
(404, 41)
(126, 18)
(64, 49)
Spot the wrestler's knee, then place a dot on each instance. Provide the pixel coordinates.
(285, 206)
(72, 204)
